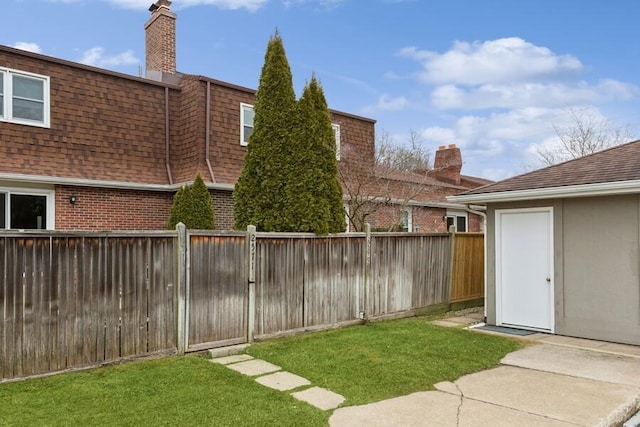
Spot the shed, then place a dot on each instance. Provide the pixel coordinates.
(563, 247)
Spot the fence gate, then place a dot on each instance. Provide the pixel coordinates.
(217, 291)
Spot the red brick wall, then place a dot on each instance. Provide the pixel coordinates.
(427, 220)
(111, 209)
(114, 209)
(223, 209)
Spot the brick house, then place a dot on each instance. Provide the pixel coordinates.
(87, 148)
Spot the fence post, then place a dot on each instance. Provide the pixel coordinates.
(364, 314)
(452, 255)
(182, 288)
(251, 306)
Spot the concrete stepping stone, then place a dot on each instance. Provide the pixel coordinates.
(283, 381)
(232, 359)
(320, 398)
(254, 367)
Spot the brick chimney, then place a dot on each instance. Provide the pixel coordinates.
(160, 34)
(448, 163)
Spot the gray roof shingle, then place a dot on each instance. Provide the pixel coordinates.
(620, 163)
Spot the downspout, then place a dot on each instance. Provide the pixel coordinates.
(484, 231)
(167, 162)
(208, 131)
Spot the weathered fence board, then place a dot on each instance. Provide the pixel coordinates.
(467, 280)
(279, 284)
(408, 272)
(72, 300)
(333, 279)
(217, 301)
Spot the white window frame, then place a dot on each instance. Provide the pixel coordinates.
(409, 213)
(50, 204)
(244, 107)
(346, 216)
(458, 214)
(336, 134)
(7, 74)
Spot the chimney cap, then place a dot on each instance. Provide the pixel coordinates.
(452, 145)
(442, 147)
(158, 4)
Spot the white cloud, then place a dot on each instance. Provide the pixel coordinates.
(30, 47)
(520, 95)
(96, 57)
(386, 103)
(494, 61)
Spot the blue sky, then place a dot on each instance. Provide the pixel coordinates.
(492, 76)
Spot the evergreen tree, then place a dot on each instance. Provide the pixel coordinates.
(314, 189)
(193, 207)
(260, 193)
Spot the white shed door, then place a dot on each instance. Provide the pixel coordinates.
(524, 268)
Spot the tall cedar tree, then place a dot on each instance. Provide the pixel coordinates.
(193, 207)
(314, 188)
(260, 193)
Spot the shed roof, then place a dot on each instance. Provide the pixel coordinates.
(612, 171)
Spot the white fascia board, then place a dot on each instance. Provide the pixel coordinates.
(586, 190)
(54, 180)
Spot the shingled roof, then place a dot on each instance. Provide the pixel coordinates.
(613, 171)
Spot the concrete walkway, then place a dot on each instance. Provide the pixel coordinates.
(557, 381)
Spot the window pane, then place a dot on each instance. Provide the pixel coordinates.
(461, 224)
(28, 211)
(248, 116)
(247, 133)
(24, 87)
(30, 110)
(3, 210)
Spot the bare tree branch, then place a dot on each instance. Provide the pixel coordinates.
(587, 134)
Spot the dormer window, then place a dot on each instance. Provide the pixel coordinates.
(24, 98)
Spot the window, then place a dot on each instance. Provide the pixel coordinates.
(406, 221)
(459, 219)
(346, 217)
(26, 210)
(24, 98)
(246, 123)
(336, 134)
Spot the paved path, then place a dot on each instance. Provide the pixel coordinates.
(558, 381)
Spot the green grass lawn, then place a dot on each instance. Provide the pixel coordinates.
(175, 391)
(363, 363)
(385, 359)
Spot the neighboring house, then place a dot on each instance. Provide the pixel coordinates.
(563, 247)
(87, 148)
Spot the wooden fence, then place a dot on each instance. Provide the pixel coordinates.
(467, 275)
(69, 300)
(76, 299)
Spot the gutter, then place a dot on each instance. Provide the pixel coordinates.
(81, 182)
(208, 132)
(166, 135)
(583, 190)
(477, 210)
